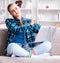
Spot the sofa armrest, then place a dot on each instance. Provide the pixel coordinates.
(56, 42)
(3, 38)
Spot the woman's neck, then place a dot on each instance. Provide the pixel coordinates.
(19, 17)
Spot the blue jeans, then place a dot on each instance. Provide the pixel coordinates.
(18, 50)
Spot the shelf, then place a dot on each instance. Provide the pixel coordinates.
(49, 21)
(49, 0)
(43, 11)
(26, 9)
(47, 9)
(2, 8)
(3, 26)
(27, 4)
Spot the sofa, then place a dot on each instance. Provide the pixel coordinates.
(53, 36)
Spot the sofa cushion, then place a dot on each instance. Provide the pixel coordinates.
(3, 38)
(56, 42)
(49, 59)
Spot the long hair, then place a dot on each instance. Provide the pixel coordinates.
(9, 6)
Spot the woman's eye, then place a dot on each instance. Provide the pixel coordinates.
(15, 8)
(12, 11)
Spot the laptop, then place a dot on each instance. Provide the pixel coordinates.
(43, 34)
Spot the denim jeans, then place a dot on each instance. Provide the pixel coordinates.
(18, 50)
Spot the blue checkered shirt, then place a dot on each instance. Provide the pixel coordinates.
(26, 28)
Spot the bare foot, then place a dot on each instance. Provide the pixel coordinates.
(32, 51)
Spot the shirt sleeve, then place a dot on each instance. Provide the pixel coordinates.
(27, 20)
(36, 27)
(13, 26)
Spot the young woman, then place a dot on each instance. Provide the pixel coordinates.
(20, 33)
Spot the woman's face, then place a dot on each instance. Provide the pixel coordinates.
(15, 10)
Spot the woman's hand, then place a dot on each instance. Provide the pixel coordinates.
(20, 19)
(32, 21)
(20, 23)
(32, 52)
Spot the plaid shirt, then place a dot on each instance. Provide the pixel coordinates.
(27, 28)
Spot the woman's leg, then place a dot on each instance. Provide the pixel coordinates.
(42, 48)
(16, 50)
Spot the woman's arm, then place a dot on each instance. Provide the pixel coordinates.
(13, 26)
(36, 27)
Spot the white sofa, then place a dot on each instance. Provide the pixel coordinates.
(52, 34)
(53, 37)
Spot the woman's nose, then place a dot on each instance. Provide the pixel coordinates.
(15, 11)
